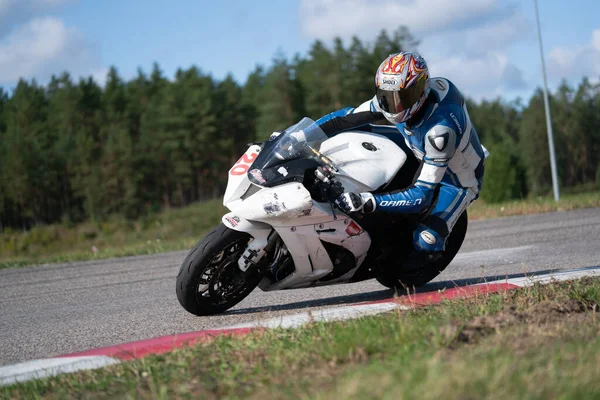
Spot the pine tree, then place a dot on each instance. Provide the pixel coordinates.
(282, 102)
(196, 146)
(504, 177)
(533, 143)
(30, 164)
(72, 151)
(251, 99)
(577, 122)
(5, 208)
(117, 147)
(157, 169)
(321, 81)
(83, 161)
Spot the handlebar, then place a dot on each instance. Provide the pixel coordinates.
(330, 189)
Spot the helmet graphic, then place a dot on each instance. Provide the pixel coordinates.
(402, 84)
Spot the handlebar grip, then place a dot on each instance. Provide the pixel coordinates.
(334, 190)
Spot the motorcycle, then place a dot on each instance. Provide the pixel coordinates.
(284, 231)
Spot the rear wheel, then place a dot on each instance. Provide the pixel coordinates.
(420, 276)
(210, 280)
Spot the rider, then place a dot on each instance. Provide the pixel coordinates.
(432, 116)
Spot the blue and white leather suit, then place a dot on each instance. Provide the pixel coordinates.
(444, 139)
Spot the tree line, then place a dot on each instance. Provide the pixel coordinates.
(72, 150)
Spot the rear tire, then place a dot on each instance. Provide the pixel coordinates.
(419, 277)
(210, 281)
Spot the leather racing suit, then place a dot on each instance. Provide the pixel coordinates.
(442, 136)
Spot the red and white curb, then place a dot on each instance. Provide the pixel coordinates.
(102, 357)
(37, 369)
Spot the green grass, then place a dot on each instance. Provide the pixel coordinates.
(175, 229)
(179, 229)
(539, 343)
(568, 201)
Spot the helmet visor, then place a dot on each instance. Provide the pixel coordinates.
(396, 101)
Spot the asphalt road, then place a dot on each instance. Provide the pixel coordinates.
(61, 308)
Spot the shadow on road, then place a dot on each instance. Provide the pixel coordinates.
(383, 294)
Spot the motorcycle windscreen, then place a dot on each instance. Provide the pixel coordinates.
(287, 157)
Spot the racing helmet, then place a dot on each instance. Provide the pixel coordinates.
(402, 85)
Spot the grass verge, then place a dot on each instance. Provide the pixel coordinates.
(179, 229)
(539, 342)
(175, 229)
(568, 201)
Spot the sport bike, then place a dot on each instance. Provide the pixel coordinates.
(284, 231)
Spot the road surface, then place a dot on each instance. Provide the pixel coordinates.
(62, 308)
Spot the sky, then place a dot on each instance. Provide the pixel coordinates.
(488, 48)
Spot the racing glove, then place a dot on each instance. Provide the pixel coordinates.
(351, 202)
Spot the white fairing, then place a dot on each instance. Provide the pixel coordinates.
(366, 161)
(238, 181)
(303, 223)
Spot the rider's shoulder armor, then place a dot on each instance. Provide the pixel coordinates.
(447, 126)
(446, 117)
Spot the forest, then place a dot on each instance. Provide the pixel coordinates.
(72, 150)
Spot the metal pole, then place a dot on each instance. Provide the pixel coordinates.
(547, 107)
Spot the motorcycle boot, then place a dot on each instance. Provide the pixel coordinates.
(428, 245)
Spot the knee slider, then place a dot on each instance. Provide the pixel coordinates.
(427, 240)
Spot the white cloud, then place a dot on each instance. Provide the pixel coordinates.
(496, 34)
(596, 40)
(35, 45)
(326, 19)
(488, 76)
(477, 59)
(10, 6)
(16, 12)
(42, 47)
(466, 41)
(575, 62)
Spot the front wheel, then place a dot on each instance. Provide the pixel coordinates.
(210, 281)
(420, 276)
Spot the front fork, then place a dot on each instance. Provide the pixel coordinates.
(258, 248)
(263, 235)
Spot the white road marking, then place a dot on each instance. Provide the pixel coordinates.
(327, 314)
(37, 369)
(557, 276)
(492, 254)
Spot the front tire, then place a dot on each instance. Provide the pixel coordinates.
(210, 281)
(420, 276)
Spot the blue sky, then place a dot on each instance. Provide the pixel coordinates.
(487, 47)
